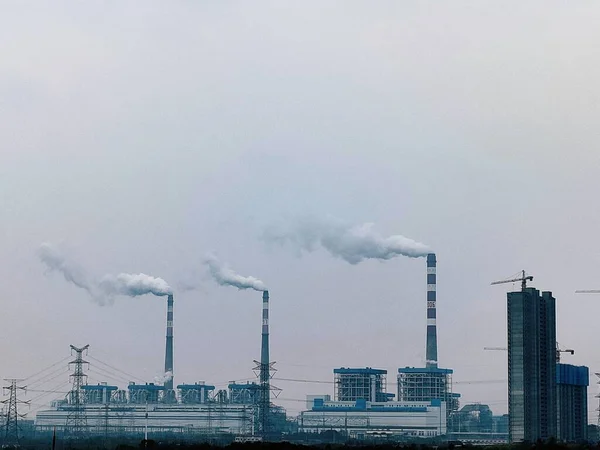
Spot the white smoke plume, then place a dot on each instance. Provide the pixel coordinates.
(165, 377)
(73, 273)
(109, 286)
(223, 275)
(133, 285)
(352, 243)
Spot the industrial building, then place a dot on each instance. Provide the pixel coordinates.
(571, 400)
(425, 384)
(361, 419)
(531, 365)
(242, 409)
(362, 405)
(130, 417)
(430, 382)
(361, 384)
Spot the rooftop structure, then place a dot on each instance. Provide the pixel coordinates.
(244, 393)
(197, 393)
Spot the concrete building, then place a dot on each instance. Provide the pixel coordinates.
(531, 365)
(571, 384)
(361, 419)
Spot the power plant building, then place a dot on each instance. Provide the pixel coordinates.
(361, 384)
(571, 399)
(426, 384)
(430, 382)
(362, 408)
(243, 409)
(532, 389)
(361, 419)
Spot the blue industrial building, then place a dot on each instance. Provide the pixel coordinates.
(571, 399)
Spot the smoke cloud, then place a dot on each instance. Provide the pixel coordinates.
(223, 275)
(352, 243)
(72, 272)
(133, 285)
(109, 286)
(167, 376)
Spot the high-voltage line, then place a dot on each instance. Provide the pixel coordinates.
(76, 417)
(30, 378)
(130, 377)
(11, 433)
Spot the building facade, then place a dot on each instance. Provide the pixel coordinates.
(531, 365)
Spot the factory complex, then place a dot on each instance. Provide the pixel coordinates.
(546, 398)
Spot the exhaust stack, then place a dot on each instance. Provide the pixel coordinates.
(431, 350)
(169, 347)
(265, 370)
(264, 351)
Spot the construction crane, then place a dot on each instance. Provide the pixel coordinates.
(558, 350)
(588, 291)
(523, 279)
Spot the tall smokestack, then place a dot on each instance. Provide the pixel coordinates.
(169, 348)
(264, 351)
(265, 369)
(431, 352)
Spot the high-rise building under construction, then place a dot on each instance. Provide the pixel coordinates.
(531, 365)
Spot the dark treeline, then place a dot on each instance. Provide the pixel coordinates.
(124, 444)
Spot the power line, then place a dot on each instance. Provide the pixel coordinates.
(29, 378)
(49, 377)
(131, 377)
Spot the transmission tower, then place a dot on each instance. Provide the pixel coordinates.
(11, 433)
(76, 417)
(264, 373)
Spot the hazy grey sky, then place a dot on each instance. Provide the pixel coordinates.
(140, 135)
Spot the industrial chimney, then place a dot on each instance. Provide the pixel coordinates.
(169, 347)
(431, 351)
(265, 369)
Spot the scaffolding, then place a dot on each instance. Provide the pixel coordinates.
(360, 384)
(427, 384)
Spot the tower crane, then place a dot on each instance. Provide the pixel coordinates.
(588, 291)
(558, 350)
(523, 279)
